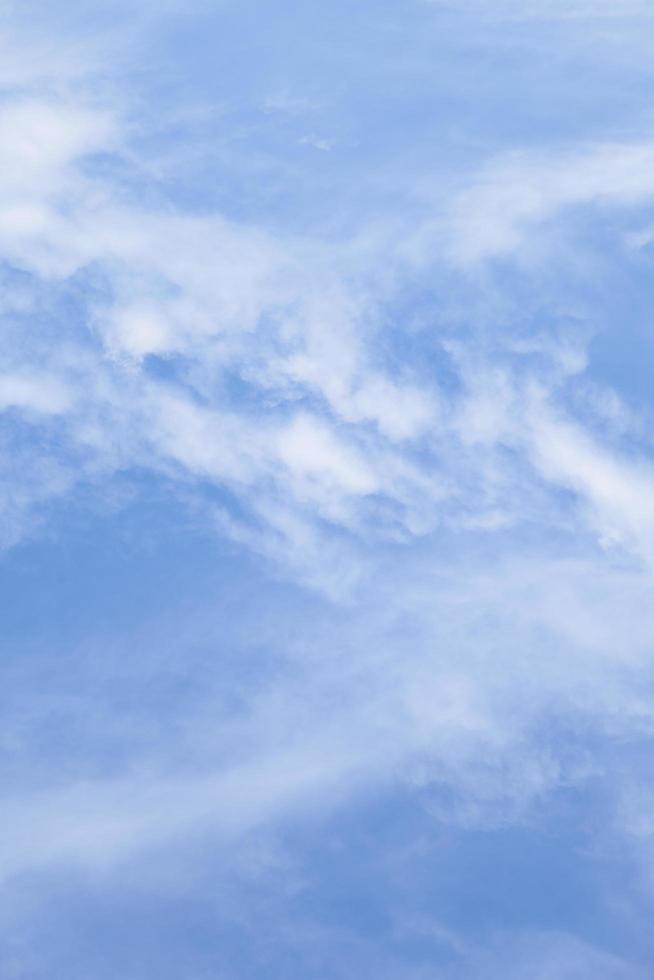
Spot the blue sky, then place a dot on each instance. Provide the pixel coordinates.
(327, 490)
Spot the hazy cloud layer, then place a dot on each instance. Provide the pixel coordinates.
(327, 492)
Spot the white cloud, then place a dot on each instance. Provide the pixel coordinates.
(512, 196)
(619, 492)
(520, 10)
(39, 394)
(312, 453)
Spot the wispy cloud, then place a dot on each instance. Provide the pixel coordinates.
(514, 196)
(392, 512)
